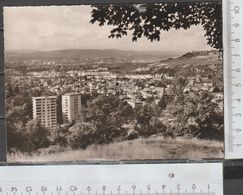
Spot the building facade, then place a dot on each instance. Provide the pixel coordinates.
(44, 110)
(71, 107)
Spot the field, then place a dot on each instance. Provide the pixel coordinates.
(149, 148)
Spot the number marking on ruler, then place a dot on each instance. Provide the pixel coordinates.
(149, 179)
(232, 15)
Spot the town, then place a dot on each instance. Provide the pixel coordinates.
(106, 102)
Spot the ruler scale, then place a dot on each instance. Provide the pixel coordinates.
(121, 179)
(233, 75)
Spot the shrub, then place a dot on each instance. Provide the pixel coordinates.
(154, 126)
(37, 135)
(108, 113)
(58, 135)
(200, 116)
(147, 122)
(17, 140)
(132, 134)
(81, 135)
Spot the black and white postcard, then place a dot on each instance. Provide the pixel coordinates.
(114, 82)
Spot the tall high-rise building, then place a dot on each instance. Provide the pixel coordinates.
(44, 110)
(71, 107)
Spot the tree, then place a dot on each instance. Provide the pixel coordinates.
(16, 139)
(147, 120)
(125, 111)
(143, 114)
(108, 113)
(82, 135)
(162, 103)
(58, 135)
(200, 116)
(36, 134)
(153, 18)
(59, 109)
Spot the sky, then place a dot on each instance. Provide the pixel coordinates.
(46, 28)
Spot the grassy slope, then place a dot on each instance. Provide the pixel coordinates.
(149, 148)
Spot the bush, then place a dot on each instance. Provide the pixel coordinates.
(108, 113)
(81, 135)
(16, 140)
(27, 139)
(58, 136)
(132, 134)
(147, 122)
(200, 116)
(154, 126)
(37, 135)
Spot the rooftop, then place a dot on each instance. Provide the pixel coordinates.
(71, 94)
(44, 97)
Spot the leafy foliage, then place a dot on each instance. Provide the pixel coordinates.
(82, 135)
(16, 139)
(198, 112)
(201, 116)
(58, 135)
(161, 16)
(37, 135)
(108, 113)
(147, 122)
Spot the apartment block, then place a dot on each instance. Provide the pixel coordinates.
(71, 107)
(44, 110)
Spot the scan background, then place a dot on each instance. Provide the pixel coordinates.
(233, 170)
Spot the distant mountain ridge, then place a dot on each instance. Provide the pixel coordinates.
(92, 53)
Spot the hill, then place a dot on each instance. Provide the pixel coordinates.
(83, 54)
(195, 58)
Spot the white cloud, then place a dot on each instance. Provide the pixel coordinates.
(66, 27)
